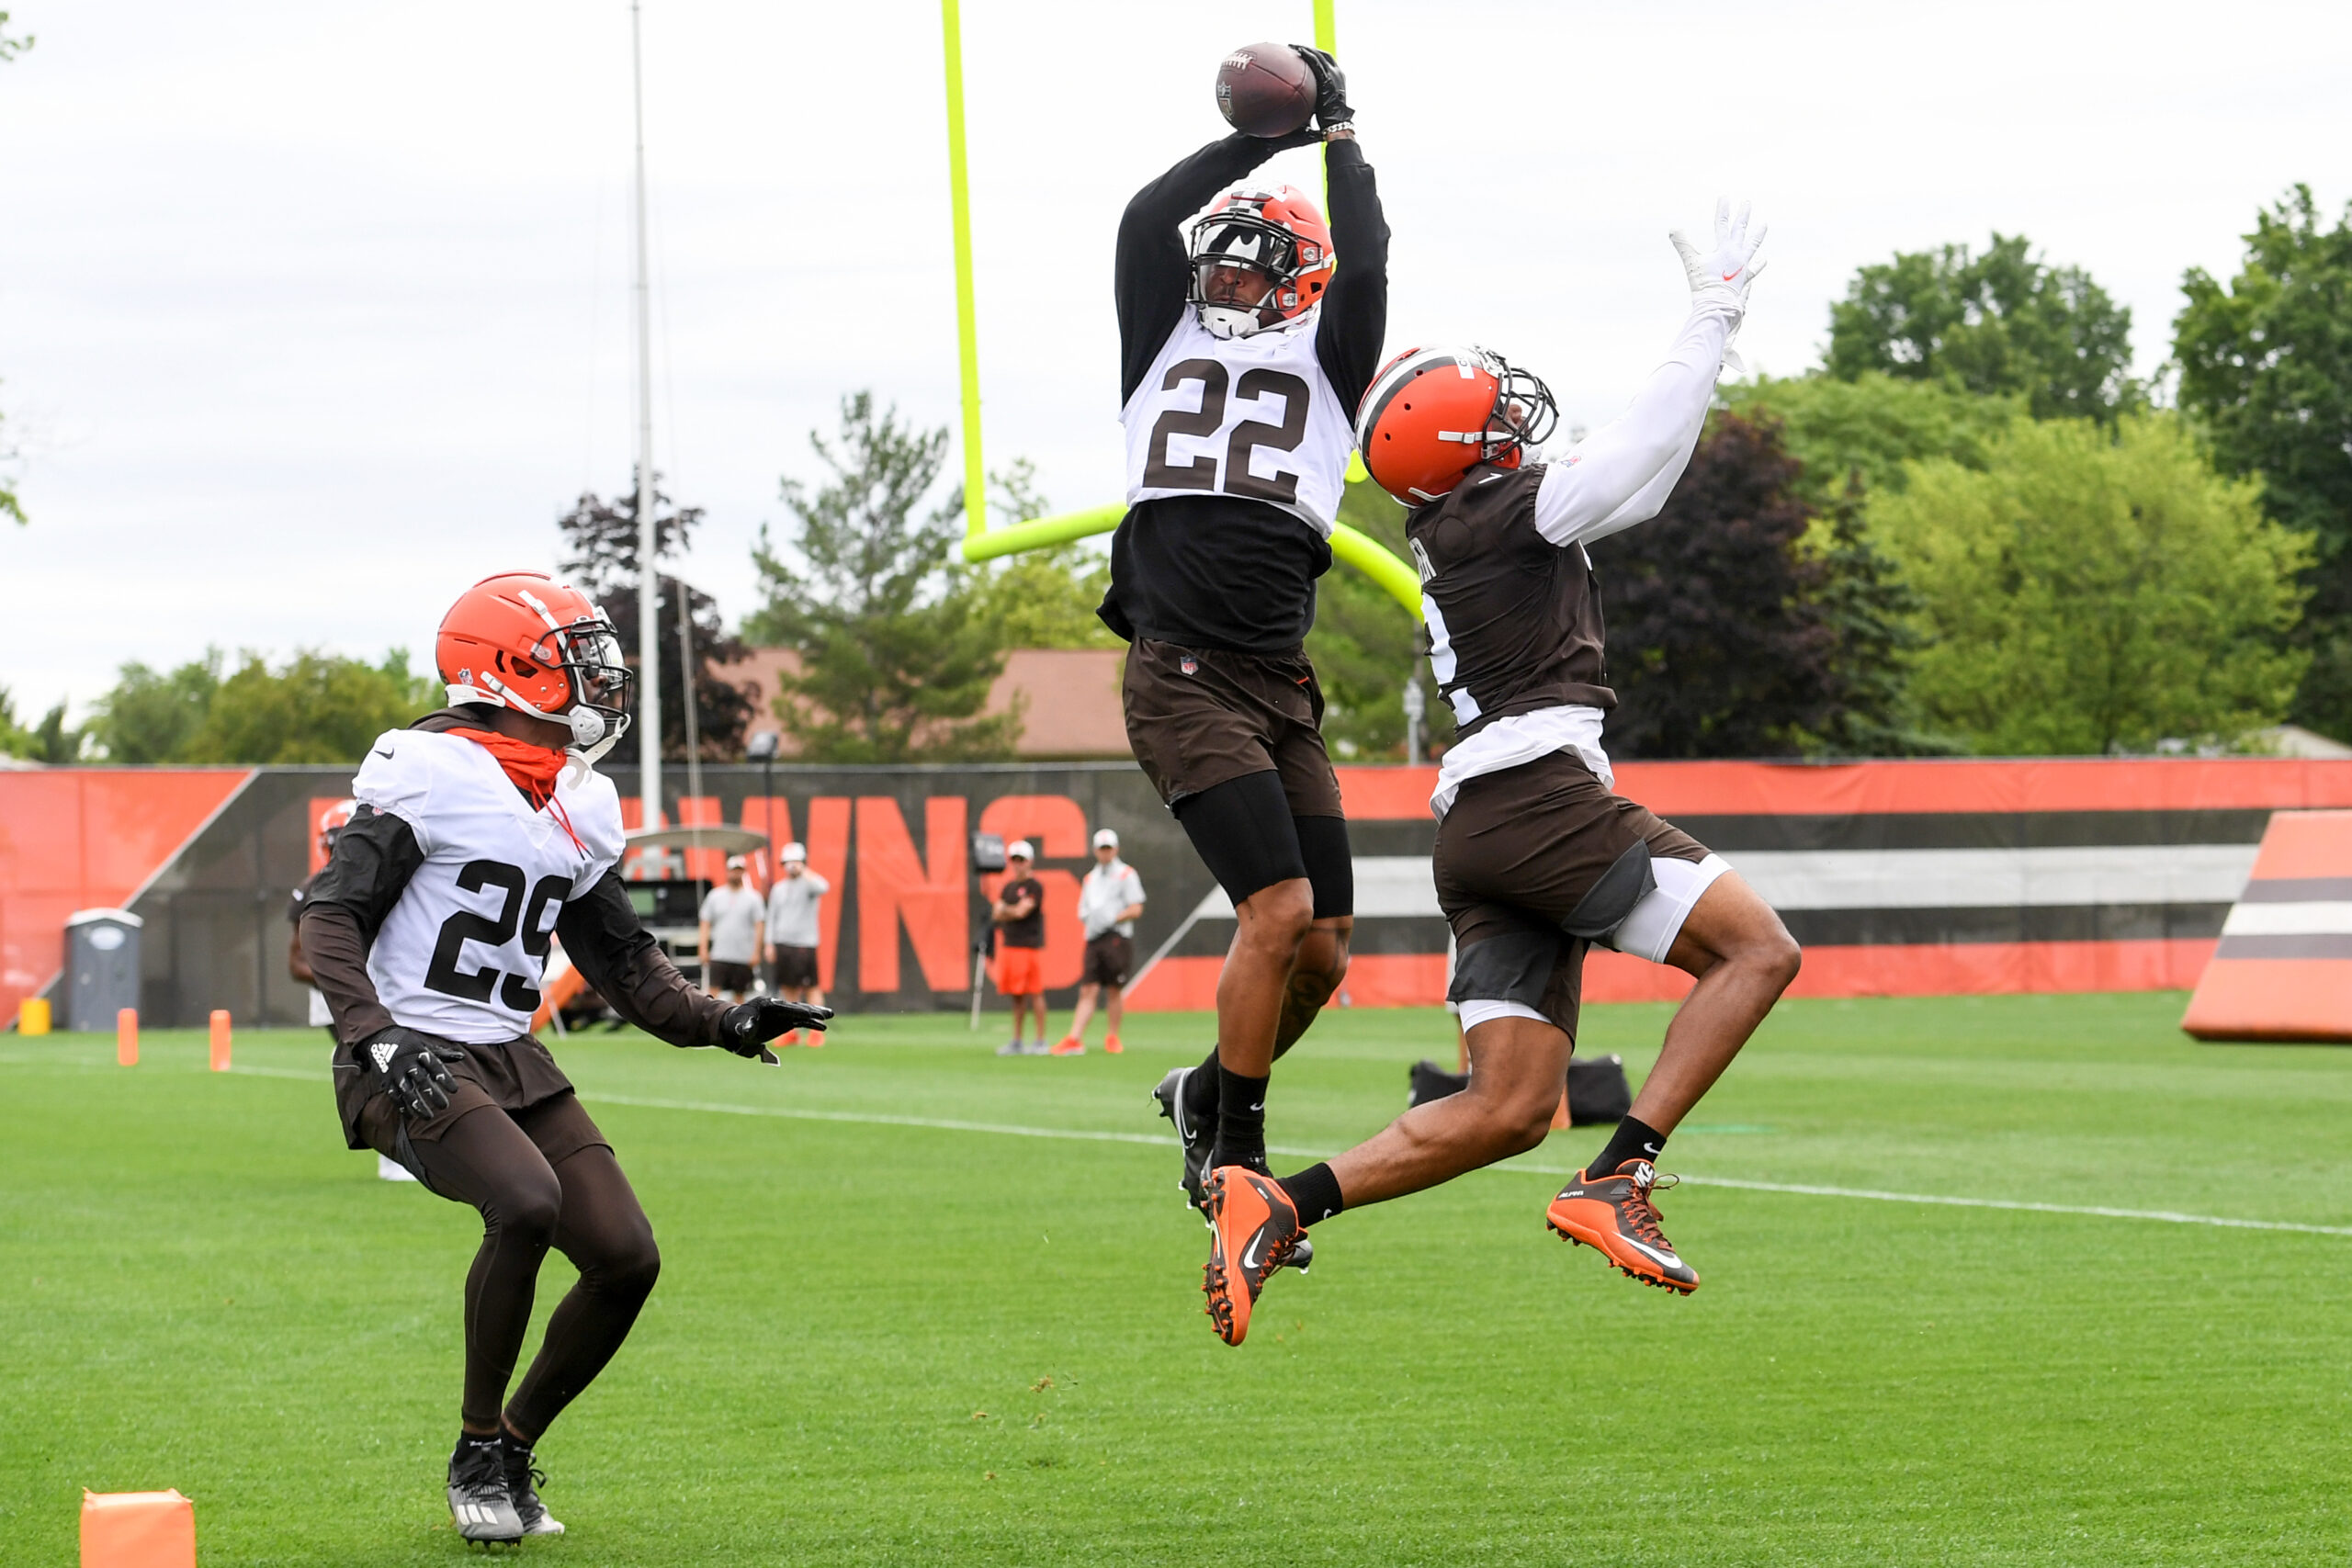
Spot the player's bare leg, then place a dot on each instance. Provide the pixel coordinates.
(1314, 974)
(1253, 990)
(1743, 958)
(1517, 1067)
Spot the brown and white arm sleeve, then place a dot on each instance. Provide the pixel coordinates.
(373, 860)
(614, 952)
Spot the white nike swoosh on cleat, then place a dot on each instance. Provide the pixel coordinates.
(1249, 1253)
(1665, 1259)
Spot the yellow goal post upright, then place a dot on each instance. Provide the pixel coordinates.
(984, 543)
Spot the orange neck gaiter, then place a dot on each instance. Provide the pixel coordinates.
(532, 768)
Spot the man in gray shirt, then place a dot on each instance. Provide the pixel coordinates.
(793, 932)
(731, 918)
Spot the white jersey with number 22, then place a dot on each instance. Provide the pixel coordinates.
(462, 953)
(1253, 417)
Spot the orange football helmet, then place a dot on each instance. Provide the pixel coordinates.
(523, 641)
(1277, 234)
(332, 821)
(1434, 415)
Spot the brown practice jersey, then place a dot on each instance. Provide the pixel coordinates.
(1514, 621)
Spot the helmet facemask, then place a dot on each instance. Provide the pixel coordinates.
(1523, 417)
(596, 702)
(1236, 237)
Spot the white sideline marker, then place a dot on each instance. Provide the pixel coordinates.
(1071, 1135)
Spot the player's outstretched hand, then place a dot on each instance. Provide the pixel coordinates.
(749, 1026)
(1330, 87)
(413, 1069)
(1722, 273)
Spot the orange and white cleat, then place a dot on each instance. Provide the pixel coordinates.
(1067, 1046)
(1616, 1214)
(1111, 1046)
(1253, 1230)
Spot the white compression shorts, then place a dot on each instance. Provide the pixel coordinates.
(1647, 932)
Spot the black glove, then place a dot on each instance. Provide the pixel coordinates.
(411, 1068)
(747, 1028)
(1330, 87)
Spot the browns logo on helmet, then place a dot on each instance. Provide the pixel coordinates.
(1432, 414)
(1259, 258)
(523, 641)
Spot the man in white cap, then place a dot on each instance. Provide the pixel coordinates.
(732, 916)
(793, 933)
(1018, 915)
(1109, 900)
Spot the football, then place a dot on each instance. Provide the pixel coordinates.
(1265, 89)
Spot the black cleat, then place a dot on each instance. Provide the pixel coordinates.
(479, 1500)
(523, 1481)
(1195, 1138)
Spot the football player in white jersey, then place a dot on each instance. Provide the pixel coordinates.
(1537, 859)
(1244, 352)
(482, 831)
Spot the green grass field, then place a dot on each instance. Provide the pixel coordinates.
(876, 1341)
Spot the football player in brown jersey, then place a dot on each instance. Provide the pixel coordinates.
(1537, 859)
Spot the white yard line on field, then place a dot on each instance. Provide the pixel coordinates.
(1801, 1189)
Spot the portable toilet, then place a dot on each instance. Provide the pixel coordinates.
(101, 967)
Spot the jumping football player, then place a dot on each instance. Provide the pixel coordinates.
(1241, 356)
(482, 831)
(1536, 859)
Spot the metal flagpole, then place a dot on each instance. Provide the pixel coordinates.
(648, 588)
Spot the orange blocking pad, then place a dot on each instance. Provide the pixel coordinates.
(126, 1037)
(220, 1041)
(138, 1529)
(2283, 969)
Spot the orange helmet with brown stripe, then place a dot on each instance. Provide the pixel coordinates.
(523, 641)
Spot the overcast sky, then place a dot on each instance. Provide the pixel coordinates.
(312, 314)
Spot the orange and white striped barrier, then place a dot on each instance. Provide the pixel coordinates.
(2283, 967)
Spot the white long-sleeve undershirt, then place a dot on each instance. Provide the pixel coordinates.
(1622, 473)
(1615, 478)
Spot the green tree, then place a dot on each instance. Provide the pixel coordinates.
(1366, 645)
(1038, 598)
(150, 717)
(2093, 591)
(2266, 366)
(2004, 322)
(600, 548)
(894, 663)
(11, 47)
(49, 740)
(317, 707)
(1864, 430)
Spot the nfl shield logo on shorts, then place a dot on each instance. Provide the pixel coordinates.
(1189, 665)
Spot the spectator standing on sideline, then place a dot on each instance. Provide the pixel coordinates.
(733, 922)
(1018, 915)
(793, 934)
(1108, 902)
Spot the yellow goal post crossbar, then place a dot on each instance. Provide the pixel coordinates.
(984, 543)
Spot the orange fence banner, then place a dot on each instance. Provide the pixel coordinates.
(2283, 969)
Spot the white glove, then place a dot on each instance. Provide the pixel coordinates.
(1722, 276)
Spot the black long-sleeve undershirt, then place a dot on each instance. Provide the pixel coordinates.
(373, 862)
(1216, 570)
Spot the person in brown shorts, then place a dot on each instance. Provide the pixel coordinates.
(1245, 341)
(1537, 861)
(481, 832)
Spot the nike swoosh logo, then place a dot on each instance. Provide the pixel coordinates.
(1732, 273)
(1667, 1259)
(1260, 1106)
(1249, 1253)
(383, 753)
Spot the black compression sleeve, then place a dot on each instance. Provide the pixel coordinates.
(1150, 277)
(1355, 310)
(373, 860)
(610, 946)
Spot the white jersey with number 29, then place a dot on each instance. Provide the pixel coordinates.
(1253, 417)
(463, 950)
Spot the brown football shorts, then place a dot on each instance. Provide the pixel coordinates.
(1109, 958)
(1198, 717)
(794, 967)
(1516, 854)
(518, 1078)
